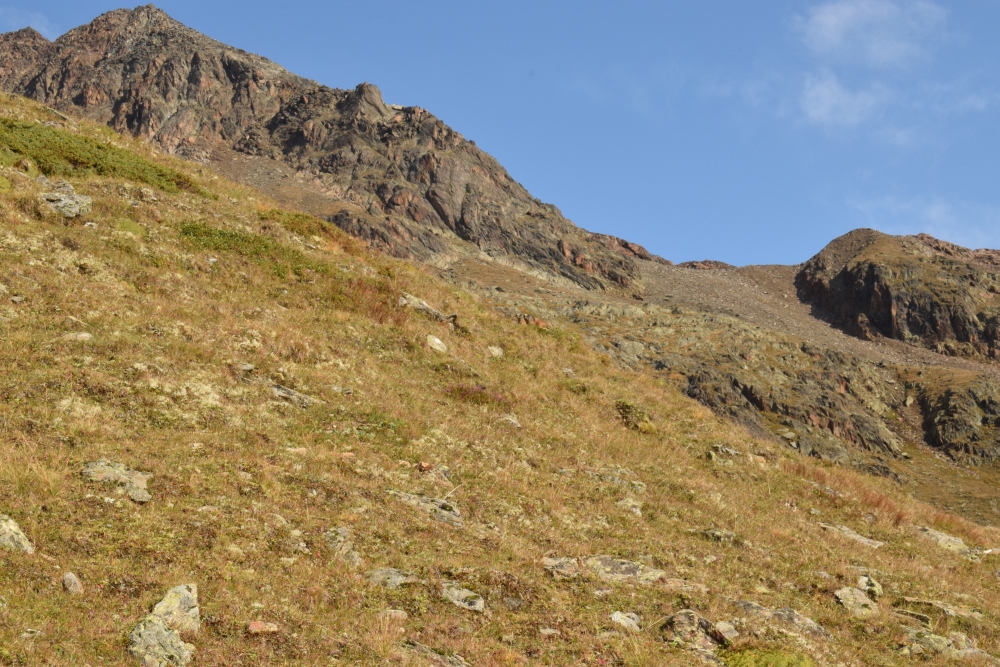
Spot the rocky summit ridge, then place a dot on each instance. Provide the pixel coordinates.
(398, 177)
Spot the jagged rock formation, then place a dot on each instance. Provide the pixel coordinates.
(912, 288)
(397, 177)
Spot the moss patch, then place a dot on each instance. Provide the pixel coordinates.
(61, 153)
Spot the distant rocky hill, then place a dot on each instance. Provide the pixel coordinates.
(912, 288)
(398, 177)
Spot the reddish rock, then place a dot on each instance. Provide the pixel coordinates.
(261, 628)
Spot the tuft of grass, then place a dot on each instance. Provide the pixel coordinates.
(60, 153)
(479, 395)
(634, 417)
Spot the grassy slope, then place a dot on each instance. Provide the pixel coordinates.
(236, 471)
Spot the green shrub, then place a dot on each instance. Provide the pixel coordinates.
(61, 153)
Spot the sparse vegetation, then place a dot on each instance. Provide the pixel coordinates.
(124, 342)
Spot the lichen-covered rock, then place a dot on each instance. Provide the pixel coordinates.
(154, 644)
(12, 537)
(439, 509)
(562, 569)
(786, 615)
(463, 597)
(951, 543)
(618, 570)
(133, 481)
(856, 602)
(67, 205)
(872, 588)
(629, 621)
(340, 541)
(179, 609)
(852, 535)
(390, 577)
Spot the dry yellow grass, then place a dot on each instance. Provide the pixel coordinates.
(177, 293)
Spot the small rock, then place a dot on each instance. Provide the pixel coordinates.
(392, 578)
(262, 628)
(435, 344)
(872, 588)
(856, 602)
(609, 568)
(850, 534)
(716, 535)
(79, 337)
(340, 540)
(511, 419)
(785, 615)
(294, 397)
(628, 621)
(689, 630)
(562, 569)
(67, 205)
(463, 597)
(631, 505)
(179, 609)
(549, 633)
(418, 304)
(495, 352)
(132, 481)
(17, 299)
(727, 631)
(71, 584)
(423, 466)
(438, 508)
(436, 657)
(154, 644)
(951, 543)
(681, 586)
(12, 537)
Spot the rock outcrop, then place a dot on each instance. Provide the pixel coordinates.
(398, 177)
(912, 288)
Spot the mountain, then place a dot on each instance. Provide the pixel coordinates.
(397, 177)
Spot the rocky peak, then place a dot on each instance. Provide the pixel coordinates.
(399, 178)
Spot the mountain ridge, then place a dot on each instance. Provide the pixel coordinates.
(397, 177)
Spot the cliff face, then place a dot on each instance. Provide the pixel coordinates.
(398, 177)
(912, 288)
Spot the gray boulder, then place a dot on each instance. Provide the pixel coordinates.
(12, 537)
(133, 481)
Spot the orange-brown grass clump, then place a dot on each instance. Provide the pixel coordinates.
(260, 368)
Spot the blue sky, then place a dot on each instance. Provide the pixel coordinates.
(746, 132)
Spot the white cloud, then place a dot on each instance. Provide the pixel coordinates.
(878, 33)
(968, 224)
(12, 18)
(827, 103)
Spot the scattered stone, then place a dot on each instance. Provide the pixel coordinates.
(850, 534)
(418, 304)
(716, 535)
(726, 631)
(951, 543)
(339, 540)
(79, 337)
(425, 467)
(549, 633)
(463, 597)
(294, 397)
(956, 645)
(71, 584)
(495, 352)
(132, 481)
(949, 610)
(511, 419)
(856, 602)
(17, 298)
(786, 615)
(12, 537)
(628, 621)
(687, 630)
(435, 344)
(179, 609)
(562, 569)
(262, 628)
(435, 656)
(154, 644)
(631, 505)
(392, 578)
(67, 205)
(439, 509)
(609, 568)
(871, 587)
